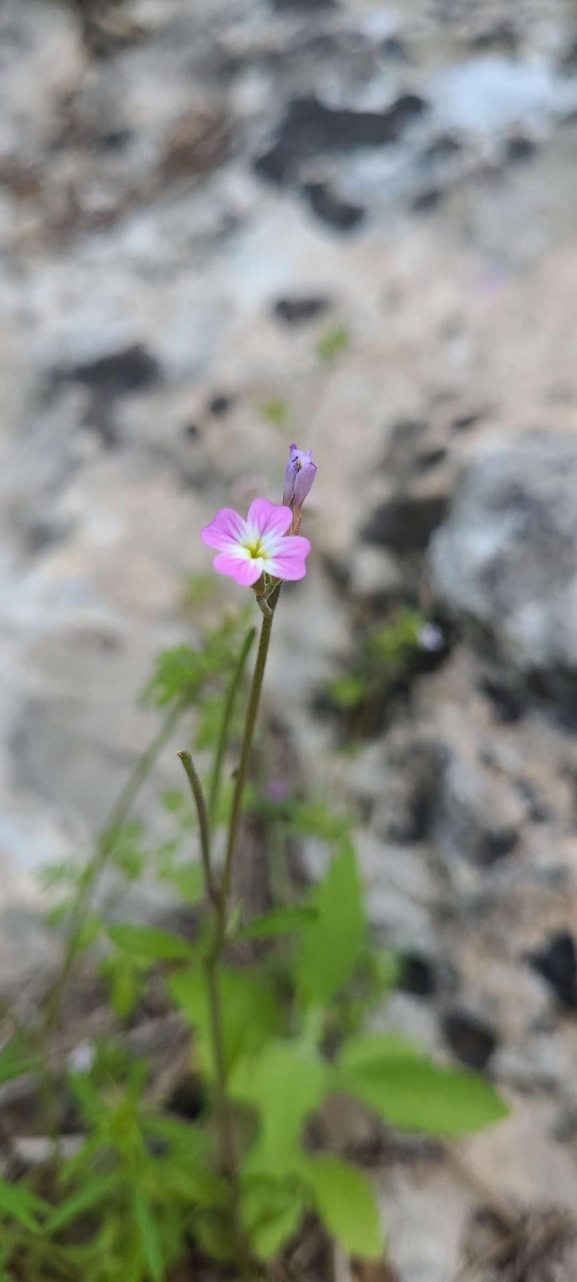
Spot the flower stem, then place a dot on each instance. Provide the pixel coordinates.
(203, 821)
(241, 775)
(215, 783)
(219, 898)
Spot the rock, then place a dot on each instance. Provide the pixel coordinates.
(476, 815)
(309, 128)
(507, 555)
(220, 405)
(343, 215)
(133, 369)
(557, 963)
(405, 524)
(299, 310)
(472, 1041)
(417, 975)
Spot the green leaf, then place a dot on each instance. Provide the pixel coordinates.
(188, 880)
(16, 1060)
(406, 1088)
(284, 1082)
(178, 675)
(275, 411)
(333, 343)
(347, 1205)
(18, 1202)
(150, 944)
(271, 1211)
(125, 983)
(214, 1234)
(95, 1190)
(280, 921)
(332, 945)
(250, 1013)
(149, 1235)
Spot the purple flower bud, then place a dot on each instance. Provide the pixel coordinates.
(299, 475)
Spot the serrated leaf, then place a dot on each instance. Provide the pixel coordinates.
(271, 1212)
(250, 1013)
(279, 921)
(150, 944)
(95, 1190)
(346, 1203)
(18, 1202)
(406, 1088)
(149, 1235)
(332, 945)
(284, 1082)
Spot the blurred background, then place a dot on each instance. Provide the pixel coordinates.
(230, 224)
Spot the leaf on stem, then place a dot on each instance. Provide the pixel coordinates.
(404, 1086)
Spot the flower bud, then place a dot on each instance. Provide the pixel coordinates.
(299, 475)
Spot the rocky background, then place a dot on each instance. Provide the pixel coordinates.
(227, 224)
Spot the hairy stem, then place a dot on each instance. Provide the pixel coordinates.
(216, 780)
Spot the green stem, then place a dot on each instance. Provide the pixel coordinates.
(215, 783)
(100, 857)
(203, 821)
(241, 775)
(219, 898)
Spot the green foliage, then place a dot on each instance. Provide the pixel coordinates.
(275, 411)
(150, 944)
(181, 675)
(277, 1009)
(386, 656)
(284, 1082)
(331, 944)
(333, 343)
(280, 921)
(347, 1205)
(271, 1212)
(250, 1012)
(403, 1086)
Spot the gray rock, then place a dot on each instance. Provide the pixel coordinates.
(507, 555)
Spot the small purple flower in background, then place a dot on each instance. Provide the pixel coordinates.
(431, 638)
(278, 790)
(259, 545)
(81, 1058)
(299, 475)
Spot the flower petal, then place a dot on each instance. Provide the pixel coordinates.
(245, 570)
(289, 562)
(270, 519)
(226, 529)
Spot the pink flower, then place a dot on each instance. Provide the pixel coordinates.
(259, 545)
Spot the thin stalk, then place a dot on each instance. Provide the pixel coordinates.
(241, 775)
(219, 898)
(223, 1110)
(203, 821)
(101, 855)
(216, 779)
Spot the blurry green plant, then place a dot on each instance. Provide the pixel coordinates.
(271, 1040)
(388, 654)
(275, 411)
(333, 343)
